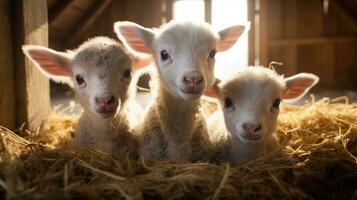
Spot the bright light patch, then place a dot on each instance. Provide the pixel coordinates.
(224, 14)
(191, 10)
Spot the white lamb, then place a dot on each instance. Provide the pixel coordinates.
(100, 72)
(174, 127)
(243, 128)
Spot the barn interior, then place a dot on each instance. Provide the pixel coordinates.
(315, 36)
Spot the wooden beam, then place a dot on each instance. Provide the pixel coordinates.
(58, 9)
(344, 15)
(7, 81)
(87, 20)
(31, 87)
(312, 41)
(208, 11)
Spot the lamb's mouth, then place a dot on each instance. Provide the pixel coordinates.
(106, 113)
(191, 91)
(250, 139)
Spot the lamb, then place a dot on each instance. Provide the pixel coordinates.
(100, 72)
(174, 127)
(243, 128)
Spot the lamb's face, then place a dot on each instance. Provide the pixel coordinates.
(102, 76)
(250, 103)
(185, 57)
(184, 52)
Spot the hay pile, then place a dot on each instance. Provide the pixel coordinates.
(318, 161)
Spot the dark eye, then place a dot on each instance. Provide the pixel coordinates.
(212, 54)
(127, 73)
(276, 103)
(164, 55)
(228, 102)
(79, 79)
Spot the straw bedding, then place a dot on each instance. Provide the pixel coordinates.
(317, 161)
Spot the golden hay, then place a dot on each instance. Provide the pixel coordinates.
(317, 161)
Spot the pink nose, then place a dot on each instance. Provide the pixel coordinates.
(193, 78)
(104, 100)
(251, 128)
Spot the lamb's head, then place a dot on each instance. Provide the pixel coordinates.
(184, 52)
(250, 100)
(99, 71)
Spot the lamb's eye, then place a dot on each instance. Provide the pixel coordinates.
(276, 103)
(79, 79)
(228, 102)
(164, 55)
(127, 73)
(212, 54)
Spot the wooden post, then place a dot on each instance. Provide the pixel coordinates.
(7, 90)
(263, 33)
(31, 87)
(251, 33)
(208, 11)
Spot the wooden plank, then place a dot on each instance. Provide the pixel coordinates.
(169, 10)
(251, 34)
(32, 88)
(87, 20)
(263, 33)
(310, 13)
(277, 20)
(7, 90)
(327, 65)
(313, 40)
(290, 30)
(346, 66)
(208, 11)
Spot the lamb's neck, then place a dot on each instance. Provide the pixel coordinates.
(119, 121)
(174, 111)
(243, 152)
(171, 104)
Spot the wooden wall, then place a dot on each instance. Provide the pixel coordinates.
(147, 13)
(307, 37)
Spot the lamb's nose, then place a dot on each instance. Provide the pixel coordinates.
(193, 78)
(105, 100)
(251, 128)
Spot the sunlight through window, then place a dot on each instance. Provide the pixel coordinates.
(224, 14)
(192, 10)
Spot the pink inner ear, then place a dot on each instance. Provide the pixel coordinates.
(298, 88)
(212, 92)
(232, 36)
(50, 64)
(141, 62)
(134, 39)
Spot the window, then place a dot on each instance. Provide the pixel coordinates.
(224, 14)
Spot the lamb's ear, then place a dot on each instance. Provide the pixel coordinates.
(53, 64)
(135, 36)
(141, 61)
(213, 91)
(229, 36)
(298, 85)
